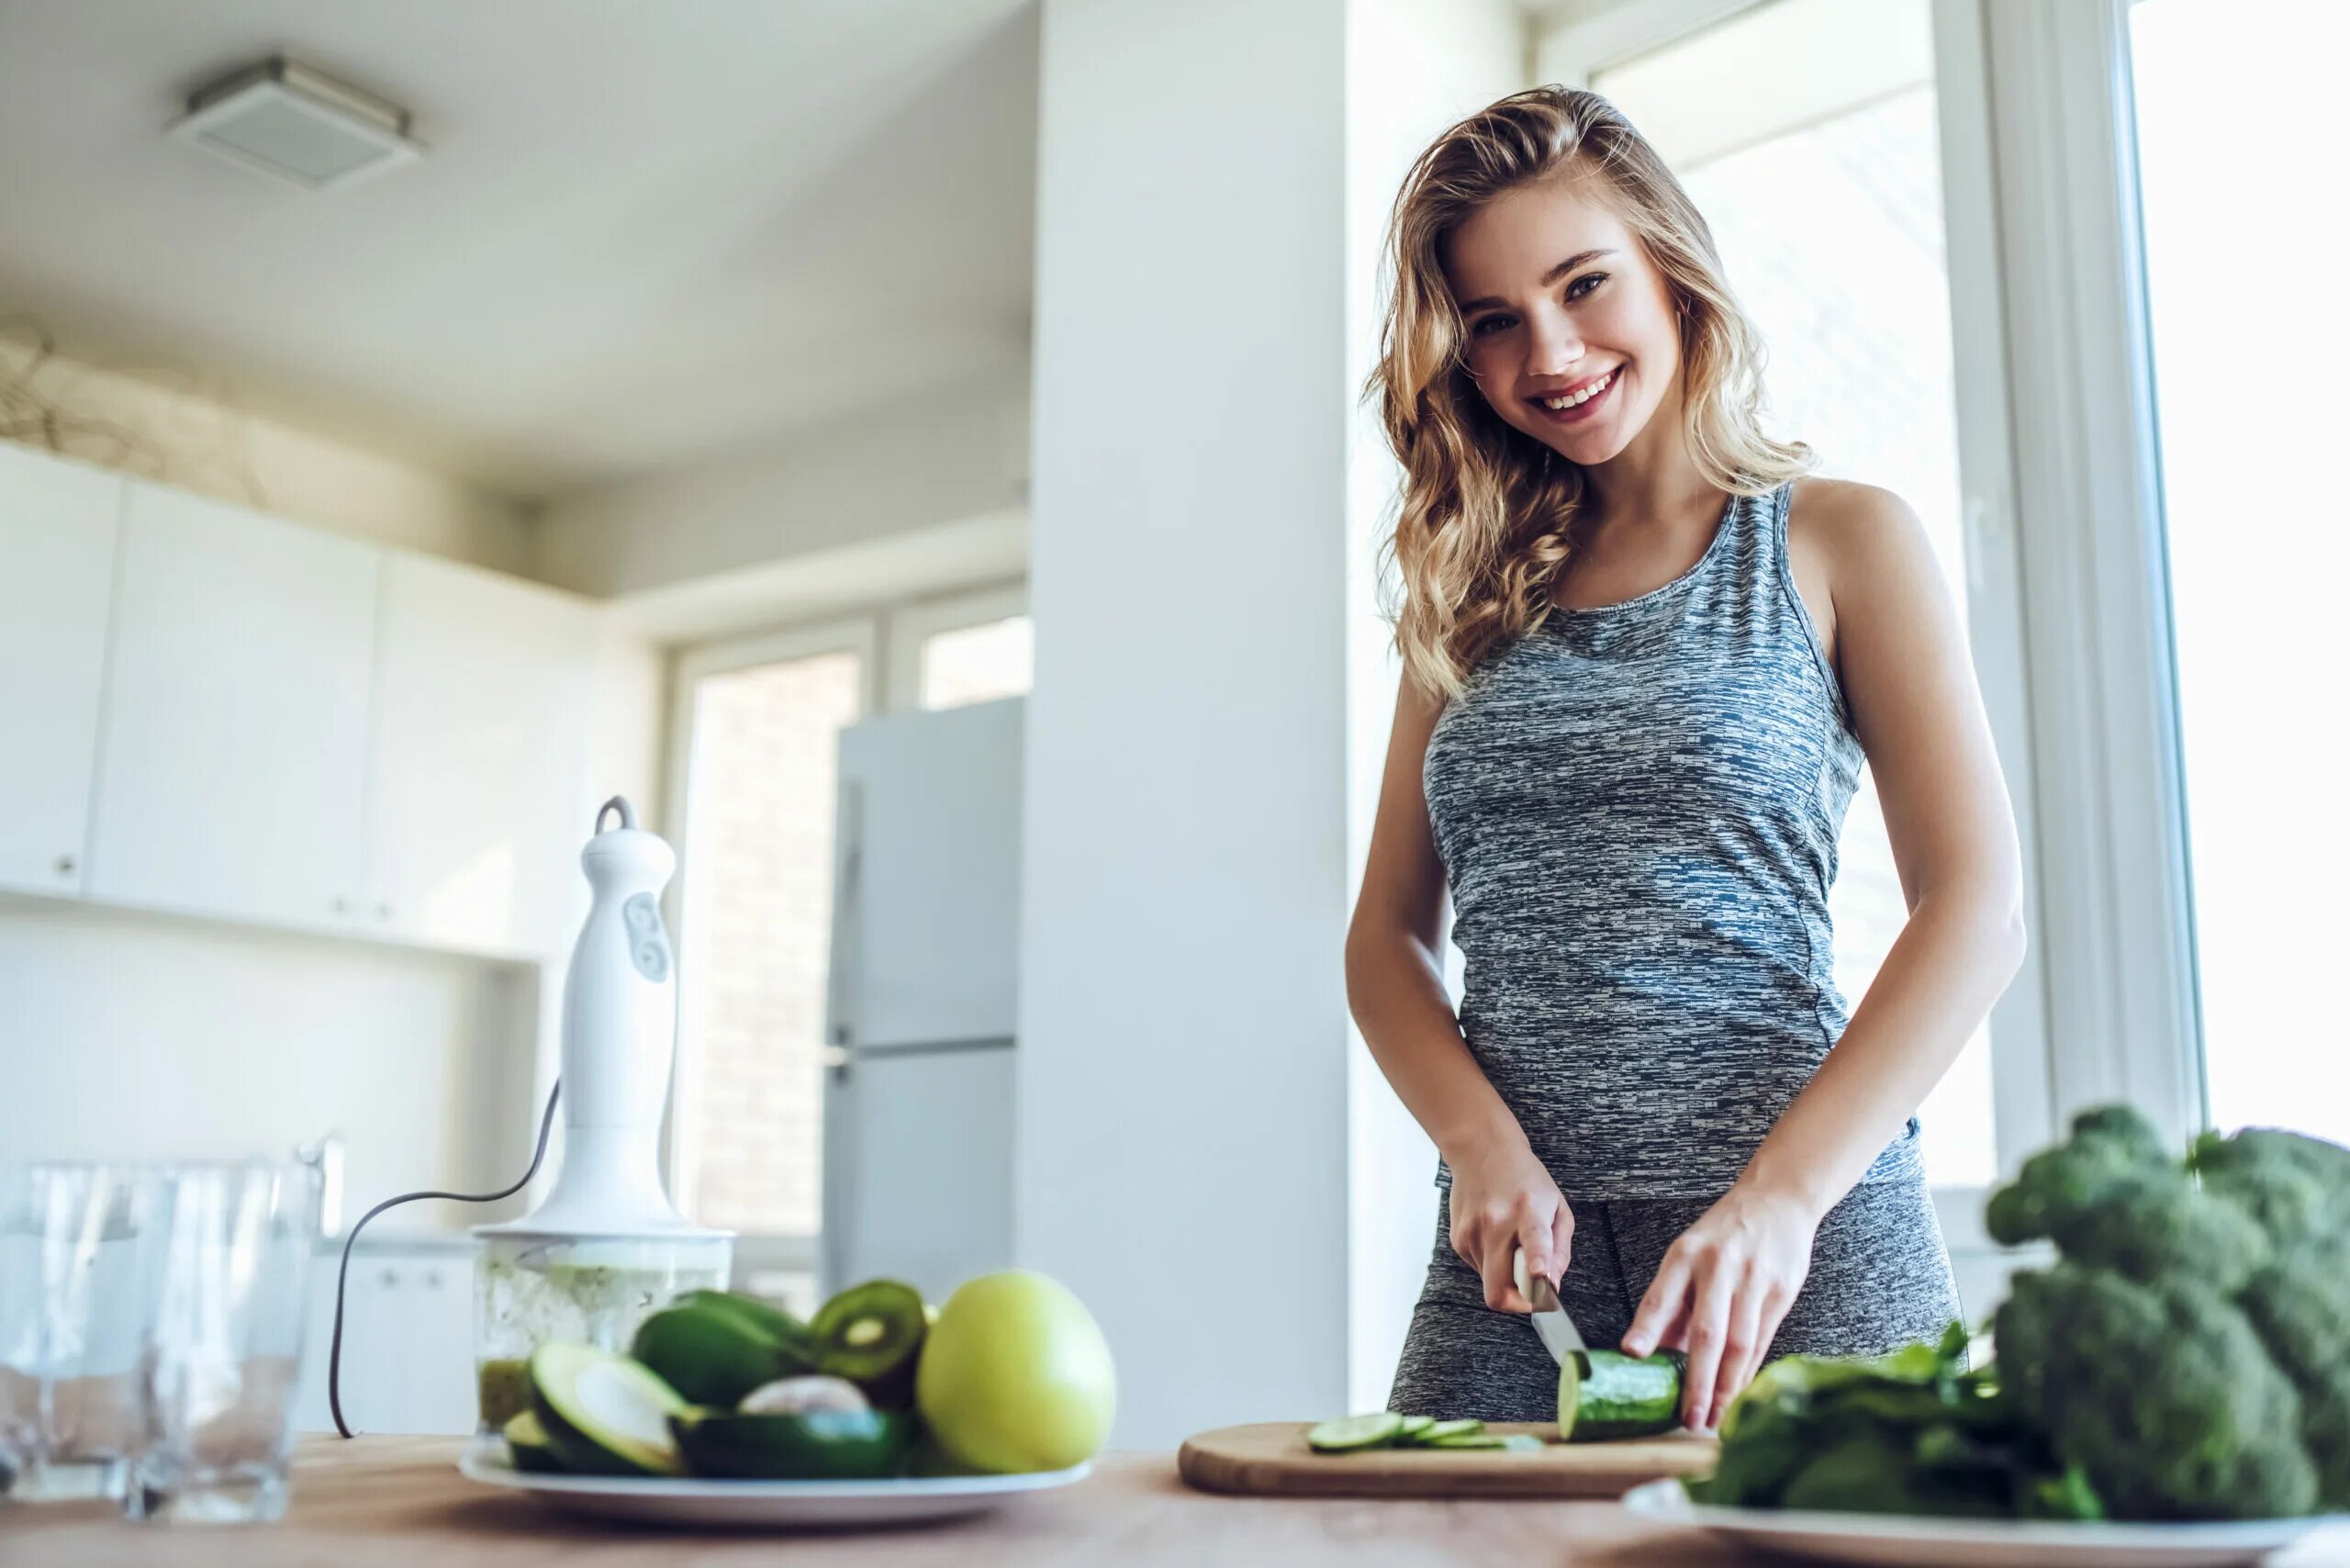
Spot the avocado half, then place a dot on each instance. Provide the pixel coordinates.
(603, 1414)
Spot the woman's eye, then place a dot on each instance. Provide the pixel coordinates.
(1484, 322)
(1576, 290)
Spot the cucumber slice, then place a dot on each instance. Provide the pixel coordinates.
(1468, 1440)
(870, 1334)
(526, 1444)
(1439, 1431)
(1350, 1434)
(1604, 1396)
(824, 1445)
(604, 1415)
(1413, 1427)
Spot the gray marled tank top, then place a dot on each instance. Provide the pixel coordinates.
(1638, 808)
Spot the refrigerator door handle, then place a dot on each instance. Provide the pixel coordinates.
(835, 1121)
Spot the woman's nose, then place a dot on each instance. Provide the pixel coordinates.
(1553, 345)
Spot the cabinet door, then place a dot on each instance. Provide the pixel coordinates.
(231, 777)
(481, 727)
(58, 523)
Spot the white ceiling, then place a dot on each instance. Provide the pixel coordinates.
(647, 232)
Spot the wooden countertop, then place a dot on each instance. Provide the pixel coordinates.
(399, 1503)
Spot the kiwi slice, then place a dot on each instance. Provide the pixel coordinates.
(870, 1334)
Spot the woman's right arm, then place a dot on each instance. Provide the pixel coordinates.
(1501, 1197)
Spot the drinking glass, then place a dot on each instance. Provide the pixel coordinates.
(232, 1244)
(72, 1262)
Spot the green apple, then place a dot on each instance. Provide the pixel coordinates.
(1015, 1375)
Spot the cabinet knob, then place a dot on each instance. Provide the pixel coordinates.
(65, 864)
(343, 906)
(384, 911)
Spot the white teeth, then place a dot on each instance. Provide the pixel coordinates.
(1585, 396)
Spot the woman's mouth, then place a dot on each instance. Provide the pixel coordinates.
(1580, 402)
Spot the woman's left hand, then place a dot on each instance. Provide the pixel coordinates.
(1720, 1293)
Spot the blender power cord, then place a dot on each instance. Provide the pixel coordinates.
(342, 1275)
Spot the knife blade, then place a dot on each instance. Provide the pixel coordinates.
(1559, 1336)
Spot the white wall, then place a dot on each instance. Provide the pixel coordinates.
(1414, 67)
(883, 473)
(126, 1034)
(199, 442)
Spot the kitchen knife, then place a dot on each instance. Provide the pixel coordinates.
(1559, 1336)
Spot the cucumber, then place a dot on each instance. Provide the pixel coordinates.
(526, 1444)
(1350, 1434)
(1441, 1431)
(604, 1415)
(1467, 1440)
(1604, 1396)
(1414, 1428)
(823, 1445)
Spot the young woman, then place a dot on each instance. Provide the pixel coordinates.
(1643, 663)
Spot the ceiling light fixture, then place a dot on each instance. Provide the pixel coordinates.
(286, 119)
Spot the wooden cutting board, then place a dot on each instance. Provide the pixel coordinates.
(1270, 1459)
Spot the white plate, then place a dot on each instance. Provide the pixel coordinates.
(771, 1505)
(1915, 1542)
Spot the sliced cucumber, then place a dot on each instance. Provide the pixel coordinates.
(1604, 1396)
(823, 1445)
(526, 1444)
(1468, 1440)
(1414, 1428)
(604, 1415)
(1350, 1434)
(1442, 1431)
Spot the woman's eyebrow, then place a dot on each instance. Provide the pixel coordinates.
(1554, 274)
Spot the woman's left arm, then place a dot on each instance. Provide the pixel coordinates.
(1896, 638)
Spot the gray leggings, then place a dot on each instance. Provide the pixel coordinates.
(1880, 1279)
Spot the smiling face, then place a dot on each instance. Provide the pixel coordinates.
(1569, 328)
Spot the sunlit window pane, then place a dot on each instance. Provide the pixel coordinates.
(979, 664)
(1822, 183)
(2234, 98)
(756, 937)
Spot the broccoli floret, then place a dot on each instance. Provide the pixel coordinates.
(2150, 1224)
(1873, 1475)
(2162, 1394)
(2058, 1186)
(2300, 1307)
(2297, 1187)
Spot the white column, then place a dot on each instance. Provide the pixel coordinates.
(1182, 1141)
(1414, 67)
(1202, 1157)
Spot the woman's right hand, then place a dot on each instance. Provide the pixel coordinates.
(1502, 1200)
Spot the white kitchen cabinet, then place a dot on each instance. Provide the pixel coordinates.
(231, 775)
(407, 1340)
(58, 527)
(483, 695)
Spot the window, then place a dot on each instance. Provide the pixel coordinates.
(761, 723)
(2245, 346)
(1807, 132)
(979, 664)
(756, 724)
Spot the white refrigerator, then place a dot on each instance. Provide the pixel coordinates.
(921, 1007)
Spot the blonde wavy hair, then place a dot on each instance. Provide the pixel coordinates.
(1487, 513)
